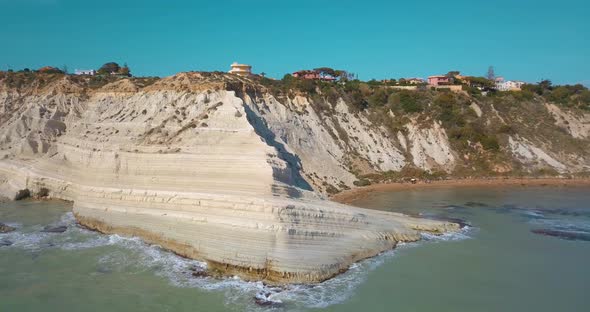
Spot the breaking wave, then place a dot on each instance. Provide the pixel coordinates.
(132, 255)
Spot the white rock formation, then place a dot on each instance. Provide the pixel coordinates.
(577, 126)
(191, 167)
(476, 109)
(430, 147)
(528, 153)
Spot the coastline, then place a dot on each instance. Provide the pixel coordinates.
(349, 196)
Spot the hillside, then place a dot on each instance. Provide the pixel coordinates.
(334, 137)
(235, 170)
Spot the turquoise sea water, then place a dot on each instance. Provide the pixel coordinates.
(526, 249)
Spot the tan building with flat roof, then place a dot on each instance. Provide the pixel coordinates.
(240, 69)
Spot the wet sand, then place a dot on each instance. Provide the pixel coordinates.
(349, 196)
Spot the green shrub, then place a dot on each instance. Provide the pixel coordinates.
(362, 182)
(524, 95)
(378, 98)
(506, 129)
(490, 143)
(409, 102)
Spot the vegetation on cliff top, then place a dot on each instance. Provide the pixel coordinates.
(37, 80)
(481, 146)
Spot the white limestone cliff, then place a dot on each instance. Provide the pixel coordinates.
(206, 173)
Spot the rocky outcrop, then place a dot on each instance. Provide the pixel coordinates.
(528, 153)
(577, 126)
(219, 168)
(6, 228)
(202, 170)
(430, 147)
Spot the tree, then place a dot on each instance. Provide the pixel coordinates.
(585, 97)
(545, 84)
(480, 82)
(409, 102)
(109, 68)
(125, 71)
(263, 74)
(560, 95)
(378, 98)
(50, 70)
(64, 69)
(491, 74)
(343, 75)
(326, 71)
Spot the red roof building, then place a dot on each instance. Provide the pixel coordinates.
(312, 75)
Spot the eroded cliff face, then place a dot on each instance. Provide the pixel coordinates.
(333, 148)
(199, 168)
(216, 167)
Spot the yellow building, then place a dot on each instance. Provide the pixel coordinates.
(240, 69)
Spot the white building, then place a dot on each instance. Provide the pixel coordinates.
(90, 72)
(509, 85)
(240, 69)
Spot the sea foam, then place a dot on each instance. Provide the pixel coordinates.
(132, 254)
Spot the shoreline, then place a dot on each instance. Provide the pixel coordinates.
(349, 196)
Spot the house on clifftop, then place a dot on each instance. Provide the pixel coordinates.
(313, 75)
(240, 69)
(438, 80)
(90, 72)
(502, 85)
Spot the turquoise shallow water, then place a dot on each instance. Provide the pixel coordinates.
(496, 264)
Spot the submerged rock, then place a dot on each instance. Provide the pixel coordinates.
(6, 228)
(104, 270)
(5, 242)
(567, 212)
(475, 204)
(263, 299)
(564, 234)
(198, 272)
(54, 229)
(461, 222)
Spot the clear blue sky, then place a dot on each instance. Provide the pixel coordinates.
(526, 40)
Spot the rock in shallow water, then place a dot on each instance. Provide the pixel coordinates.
(6, 228)
(196, 272)
(54, 229)
(476, 204)
(5, 242)
(461, 222)
(263, 299)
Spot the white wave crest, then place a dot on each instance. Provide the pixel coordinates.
(133, 255)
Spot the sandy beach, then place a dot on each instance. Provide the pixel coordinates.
(349, 196)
